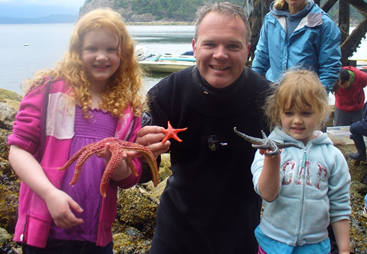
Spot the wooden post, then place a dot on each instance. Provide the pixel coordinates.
(344, 16)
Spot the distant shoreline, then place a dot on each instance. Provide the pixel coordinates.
(175, 23)
(160, 23)
(150, 23)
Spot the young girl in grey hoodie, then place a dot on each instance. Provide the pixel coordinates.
(303, 189)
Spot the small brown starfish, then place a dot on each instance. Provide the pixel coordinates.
(117, 148)
(172, 133)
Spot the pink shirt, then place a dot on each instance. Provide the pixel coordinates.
(34, 220)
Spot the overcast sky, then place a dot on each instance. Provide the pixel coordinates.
(64, 3)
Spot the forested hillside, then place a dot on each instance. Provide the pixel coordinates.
(151, 10)
(355, 16)
(176, 10)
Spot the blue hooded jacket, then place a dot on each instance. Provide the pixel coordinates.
(314, 44)
(314, 190)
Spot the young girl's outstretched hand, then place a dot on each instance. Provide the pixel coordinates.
(122, 171)
(58, 202)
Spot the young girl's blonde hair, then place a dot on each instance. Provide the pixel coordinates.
(124, 86)
(280, 4)
(299, 88)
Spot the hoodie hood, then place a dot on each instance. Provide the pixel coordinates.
(302, 13)
(320, 138)
(292, 21)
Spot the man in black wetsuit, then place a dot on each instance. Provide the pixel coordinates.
(209, 204)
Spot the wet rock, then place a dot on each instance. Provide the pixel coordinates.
(9, 187)
(8, 249)
(10, 95)
(9, 105)
(358, 225)
(5, 237)
(137, 208)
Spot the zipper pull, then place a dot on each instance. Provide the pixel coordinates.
(304, 159)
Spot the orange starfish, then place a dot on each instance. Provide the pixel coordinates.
(172, 133)
(117, 147)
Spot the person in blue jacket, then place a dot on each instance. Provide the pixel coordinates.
(298, 33)
(304, 188)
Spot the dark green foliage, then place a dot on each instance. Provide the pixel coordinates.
(355, 16)
(184, 10)
(120, 4)
(177, 10)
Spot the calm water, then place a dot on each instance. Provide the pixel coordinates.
(48, 42)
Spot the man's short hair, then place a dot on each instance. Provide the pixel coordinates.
(223, 8)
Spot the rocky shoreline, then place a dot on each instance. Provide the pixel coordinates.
(135, 221)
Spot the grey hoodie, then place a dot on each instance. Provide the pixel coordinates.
(314, 191)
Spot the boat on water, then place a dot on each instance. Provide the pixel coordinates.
(360, 64)
(165, 63)
(140, 52)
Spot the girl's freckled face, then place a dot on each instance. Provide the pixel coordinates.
(100, 55)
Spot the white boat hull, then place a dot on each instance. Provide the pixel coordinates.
(165, 66)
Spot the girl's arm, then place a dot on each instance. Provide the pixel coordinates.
(341, 232)
(269, 179)
(122, 172)
(31, 173)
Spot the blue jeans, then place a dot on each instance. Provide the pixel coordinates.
(365, 201)
(55, 246)
(358, 130)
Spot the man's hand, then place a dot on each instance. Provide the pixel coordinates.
(151, 137)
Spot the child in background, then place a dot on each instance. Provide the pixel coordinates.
(93, 93)
(349, 96)
(358, 130)
(302, 189)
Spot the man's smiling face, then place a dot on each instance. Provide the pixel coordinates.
(221, 49)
